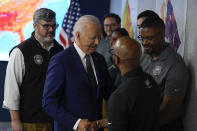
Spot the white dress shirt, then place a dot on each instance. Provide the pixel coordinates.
(13, 79)
(83, 60)
(14, 76)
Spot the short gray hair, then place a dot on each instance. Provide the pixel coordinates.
(43, 14)
(83, 21)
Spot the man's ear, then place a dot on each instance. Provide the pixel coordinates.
(77, 35)
(35, 26)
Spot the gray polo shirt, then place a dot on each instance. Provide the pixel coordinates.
(104, 49)
(169, 71)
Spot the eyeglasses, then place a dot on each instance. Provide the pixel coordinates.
(47, 26)
(150, 38)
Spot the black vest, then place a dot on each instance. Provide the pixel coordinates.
(36, 61)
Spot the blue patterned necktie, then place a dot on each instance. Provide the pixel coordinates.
(90, 73)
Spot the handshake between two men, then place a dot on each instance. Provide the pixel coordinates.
(85, 125)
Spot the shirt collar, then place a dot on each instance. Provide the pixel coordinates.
(47, 48)
(132, 73)
(79, 51)
(165, 53)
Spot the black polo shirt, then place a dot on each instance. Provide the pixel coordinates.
(134, 105)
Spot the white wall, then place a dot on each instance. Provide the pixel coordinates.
(189, 49)
(146, 5)
(116, 6)
(190, 56)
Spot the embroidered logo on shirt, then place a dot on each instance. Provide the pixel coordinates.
(148, 83)
(38, 59)
(157, 70)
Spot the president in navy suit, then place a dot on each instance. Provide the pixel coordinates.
(72, 97)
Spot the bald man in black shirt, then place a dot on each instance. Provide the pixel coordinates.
(134, 106)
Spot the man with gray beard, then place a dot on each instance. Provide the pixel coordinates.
(25, 74)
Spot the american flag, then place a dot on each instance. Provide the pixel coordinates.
(172, 33)
(66, 32)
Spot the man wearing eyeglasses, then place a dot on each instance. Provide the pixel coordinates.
(142, 16)
(169, 71)
(25, 74)
(111, 22)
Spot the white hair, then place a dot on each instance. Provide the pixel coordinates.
(83, 22)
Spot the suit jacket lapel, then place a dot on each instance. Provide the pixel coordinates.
(78, 63)
(81, 68)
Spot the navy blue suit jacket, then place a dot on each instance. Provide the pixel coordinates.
(68, 94)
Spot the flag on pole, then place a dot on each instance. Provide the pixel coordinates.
(172, 34)
(127, 24)
(66, 31)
